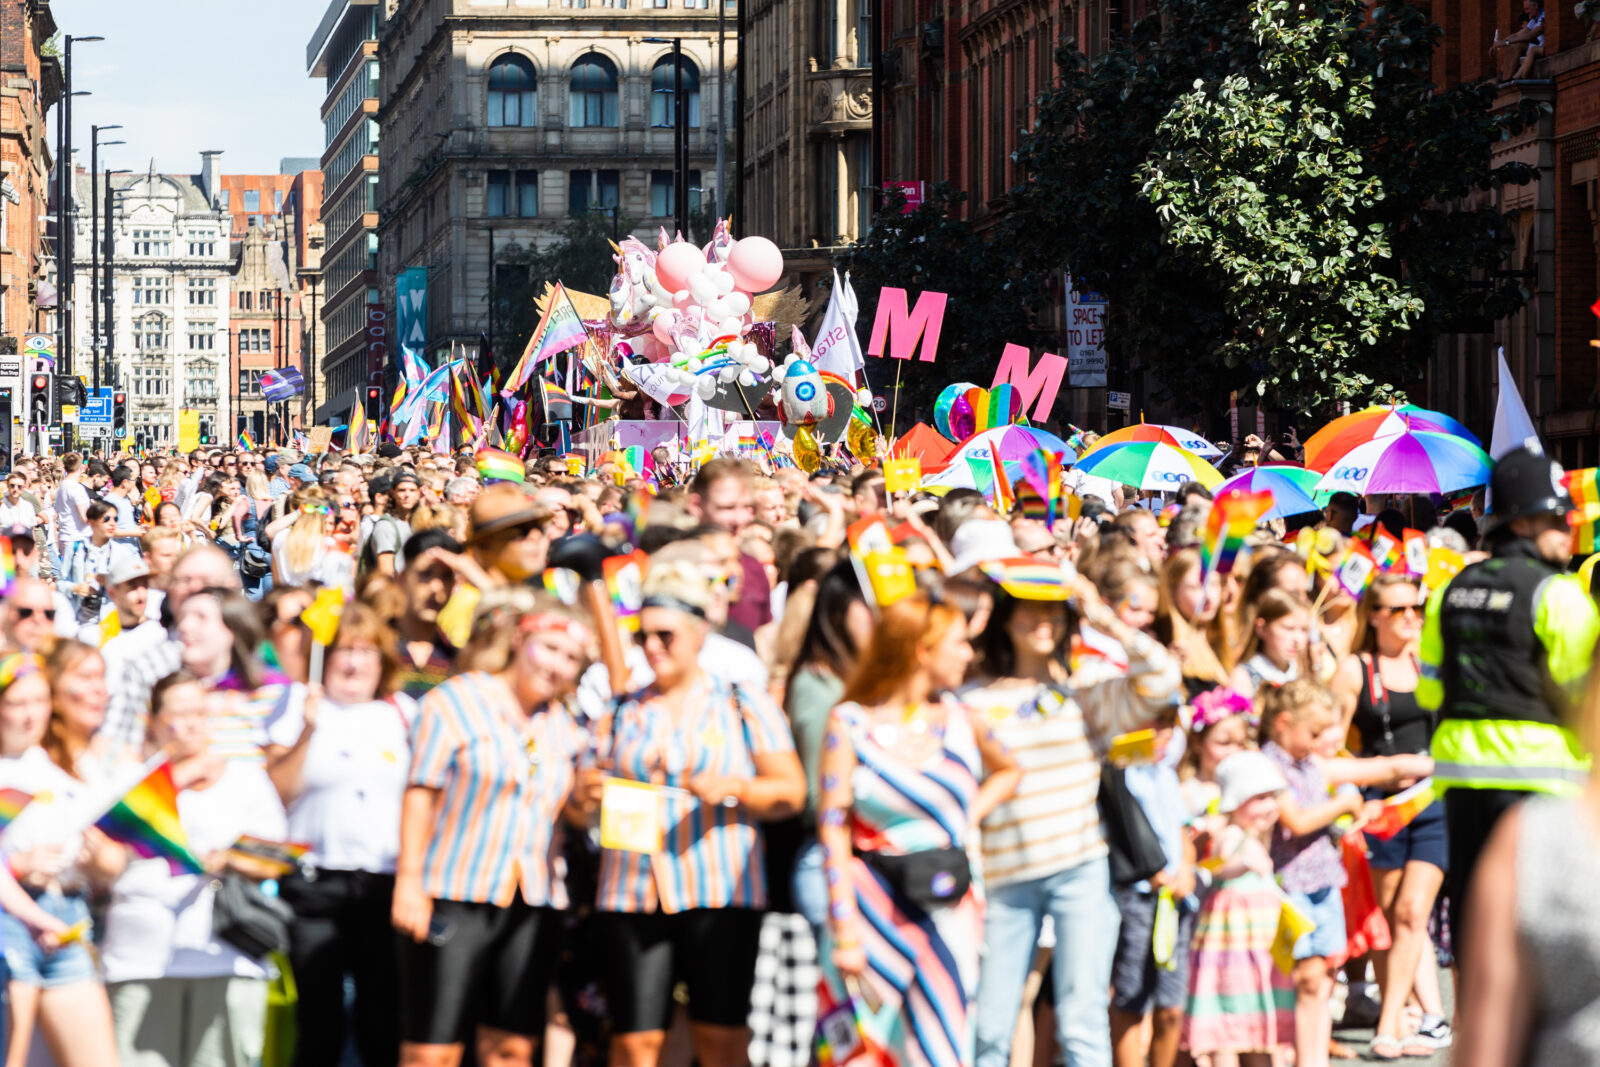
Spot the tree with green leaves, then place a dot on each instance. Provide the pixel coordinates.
(1271, 194)
(580, 258)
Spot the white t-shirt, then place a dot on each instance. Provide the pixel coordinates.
(72, 506)
(721, 656)
(158, 924)
(19, 514)
(1084, 484)
(327, 566)
(61, 809)
(352, 780)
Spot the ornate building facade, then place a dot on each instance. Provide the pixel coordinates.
(503, 118)
(30, 82)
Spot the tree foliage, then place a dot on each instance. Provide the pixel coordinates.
(580, 258)
(1270, 194)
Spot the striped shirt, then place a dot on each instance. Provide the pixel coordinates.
(146, 656)
(1057, 735)
(502, 782)
(711, 856)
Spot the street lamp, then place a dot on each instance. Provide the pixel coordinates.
(107, 289)
(680, 136)
(64, 195)
(94, 242)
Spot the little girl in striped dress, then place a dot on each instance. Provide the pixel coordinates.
(1240, 1006)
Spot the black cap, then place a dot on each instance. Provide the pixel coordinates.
(1525, 483)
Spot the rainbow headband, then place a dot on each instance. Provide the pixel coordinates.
(1214, 705)
(18, 665)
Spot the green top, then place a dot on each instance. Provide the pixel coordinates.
(813, 694)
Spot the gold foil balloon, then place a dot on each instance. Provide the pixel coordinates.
(806, 453)
(862, 440)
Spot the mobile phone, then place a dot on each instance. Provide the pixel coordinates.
(440, 931)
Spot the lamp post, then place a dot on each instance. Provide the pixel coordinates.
(107, 288)
(94, 243)
(680, 136)
(308, 407)
(63, 198)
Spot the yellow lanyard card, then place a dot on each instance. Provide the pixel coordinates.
(630, 816)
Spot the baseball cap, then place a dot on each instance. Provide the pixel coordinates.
(127, 568)
(302, 472)
(1244, 775)
(270, 464)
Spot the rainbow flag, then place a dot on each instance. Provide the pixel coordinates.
(1385, 550)
(1356, 571)
(1584, 486)
(8, 567)
(559, 329)
(1032, 504)
(12, 801)
(1233, 518)
(146, 820)
(497, 466)
(247, 442)
(1027, 578)
(1400, 809)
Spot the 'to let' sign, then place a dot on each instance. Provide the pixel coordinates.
(902, 329)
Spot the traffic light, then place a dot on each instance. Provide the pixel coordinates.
(374, 396)
(40, 390)
(5, 422)
(119, 415)
(69, 391)
(205, 431)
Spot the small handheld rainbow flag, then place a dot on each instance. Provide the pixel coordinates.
(1385, 550)
(247, 442)
(1233, 518)
(624, 577)
(1584, 487)
(146, 820)
(497, 466)
(12, 801)
(1400, 809)
(8, 567)
(1356, 571)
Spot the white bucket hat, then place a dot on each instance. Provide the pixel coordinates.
(981, 541)
(1244, 775)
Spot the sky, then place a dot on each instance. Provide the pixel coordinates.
(180, 76)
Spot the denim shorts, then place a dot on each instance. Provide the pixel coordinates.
(1424, 840)
(1325, 907)
(1137, 982)
(32, 965)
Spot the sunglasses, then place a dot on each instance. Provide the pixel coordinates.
(664, 637)
(1397, 609)
(347, 505)
(27, 613)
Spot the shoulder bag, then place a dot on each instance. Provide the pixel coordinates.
(247, 918)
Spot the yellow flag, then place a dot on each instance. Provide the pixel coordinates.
(323, 615)
(575, 466)
(1291, 927)
(902, 475)
(630, 816)
(1138, 746)
(890, 576)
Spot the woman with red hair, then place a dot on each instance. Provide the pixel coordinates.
(907, 773)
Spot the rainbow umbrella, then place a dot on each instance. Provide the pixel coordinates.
(1149, 465)
(1414, 461)
(1177, 436)
(1291, 488)
(1327, 445)
(1011, 443)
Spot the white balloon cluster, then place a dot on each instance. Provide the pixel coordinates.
(697, 302)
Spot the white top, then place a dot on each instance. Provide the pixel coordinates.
(72, 504)
(352, 780)
(62, 808)
(158, 924)
(721, 656)
(19, 514)
(1085, 484)
(329, 567)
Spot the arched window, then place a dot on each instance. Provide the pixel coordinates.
(661, 89)
(594, 92)
(150, 335)
(513, 92)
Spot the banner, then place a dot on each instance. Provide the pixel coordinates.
(411, 332)
(838, 349)
(1085, 333)
(188, 430)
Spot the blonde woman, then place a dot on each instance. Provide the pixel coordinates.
(300, 553)
(1188, 607)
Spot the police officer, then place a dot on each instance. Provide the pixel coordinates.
(1506, 647)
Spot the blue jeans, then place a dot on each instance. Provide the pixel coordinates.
(809, 885)
(1079, 901)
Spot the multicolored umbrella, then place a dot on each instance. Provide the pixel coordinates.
(1410, 462)
(1291, 488)
(1149, 465)
(1329, 444)
(1177, 436)
(1010, 443)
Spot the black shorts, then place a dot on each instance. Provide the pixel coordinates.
(490, 967)
(711, 950)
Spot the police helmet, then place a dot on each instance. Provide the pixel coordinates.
(1526, 482)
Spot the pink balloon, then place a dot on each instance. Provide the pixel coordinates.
(680, 299)
(755, 263)
(662, 328)
(675, 263)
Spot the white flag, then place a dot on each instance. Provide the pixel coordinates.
(1512, 425)
(837, 347)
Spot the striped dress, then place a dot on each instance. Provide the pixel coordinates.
(922, 966)
(1238, 999)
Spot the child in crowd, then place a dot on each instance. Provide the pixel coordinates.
(1151, 967)
(1277, 647)
(1219, 726)
(1240, 1008)
(1307, 860)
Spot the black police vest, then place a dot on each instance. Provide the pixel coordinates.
(1494, 666)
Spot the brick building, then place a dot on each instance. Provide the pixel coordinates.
(30, 83)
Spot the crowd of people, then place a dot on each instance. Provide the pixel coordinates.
(1048, 806)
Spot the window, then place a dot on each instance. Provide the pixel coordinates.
(247, 300)
(528, 193)
(202, 248)
(662, 84)
(249, 382)
(152, 289)
(512, 193)
(513, 92)
(200, 381)
(150, 334)
(151, 380)
(592, 190)
(152, 243)
(255, 340)
(222, 200)
(594, 92)
(662, 203)
(277, 200)
(203, 291)
(203, 338)
(499, 194)
(252, 199)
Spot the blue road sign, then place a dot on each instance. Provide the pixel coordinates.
(97, 411)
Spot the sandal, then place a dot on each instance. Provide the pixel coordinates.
(1337, 1050)
(1386, 1047)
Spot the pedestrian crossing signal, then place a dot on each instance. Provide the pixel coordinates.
(119, 415)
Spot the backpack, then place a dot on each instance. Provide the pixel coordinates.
(369, 555)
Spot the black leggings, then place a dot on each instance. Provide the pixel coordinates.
(341, 926)
(711, 950)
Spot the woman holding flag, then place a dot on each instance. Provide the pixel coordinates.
(181, 994)
(54, 851)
